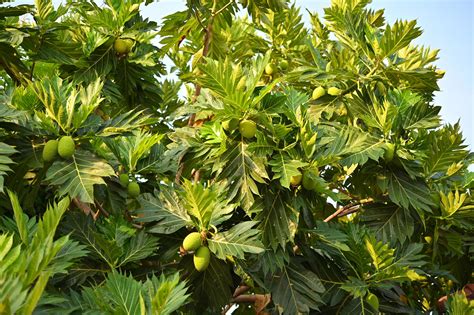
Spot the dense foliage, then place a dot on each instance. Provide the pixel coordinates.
(309, 161)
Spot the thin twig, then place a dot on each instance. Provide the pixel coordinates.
(101, 209)
(349, 207)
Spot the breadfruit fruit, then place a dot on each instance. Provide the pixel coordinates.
(231, 124)
(270, 69)
(389, 151)
(124, 179)
(133, 189)
(248, 128)
(334, 91)
(202, 257)
(318, 92)
(123, 45)
(50, 151)
(66, 147)
(296, 180)
(192, 241)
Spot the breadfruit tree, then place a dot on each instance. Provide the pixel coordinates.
(276, 167)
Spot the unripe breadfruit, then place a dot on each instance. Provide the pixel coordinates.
(373, 300)
(318, 92)
(231, 124)
(296, 180)
(284, 65)
(248, 128)
(389, 151)
(66, 147)
(334, 91)
(270, 69)
(133, 189)
(123, 45)
(50, 151)
(202, 257)
(309, 183)
(124, 179)
(192, 241)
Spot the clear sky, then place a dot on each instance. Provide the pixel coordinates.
(447, 25)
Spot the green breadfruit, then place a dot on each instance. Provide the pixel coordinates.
(296, 180)
(202, 257)
(123, 45)
(50, 151)
(309, 179)
(133, 189)
(318, 92)
(270, 69)
(124, 179)
(66, 147)
(248, 128)
(231, 124)
(192, 241)
(334, 91)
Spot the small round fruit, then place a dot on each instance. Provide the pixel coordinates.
(231, 124)
(389, 151)
(133, 189)
(334, 91)
(318, 92)
(123, 45)
(124, 179)
(192, 241)
(284, 65)
(373, 300)
(202, 257)
(428, 239)
(270, 69)
(309, 182)
(66, 147)
(296, 180)
(248, 128)
(50, 151)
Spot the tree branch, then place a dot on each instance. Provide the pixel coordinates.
(350, 208)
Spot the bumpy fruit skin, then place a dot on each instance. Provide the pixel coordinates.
(123, 45)
(50, 151)
(308, 181)
(231, 124)
(66, 147)
(133, 189)
(389, 151)
(318, 92)
(270, 69)
(284, 65)
(202, 257)
(192, 241)
(334, 91)
(296, 180)
(248, 128)
(124, 179)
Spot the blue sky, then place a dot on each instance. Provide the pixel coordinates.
(447, 25)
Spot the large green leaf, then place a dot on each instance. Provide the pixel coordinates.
(284, 168)
(237, 241)
(5, 151)
(407, 192)
(243, 172)
(296, 290)
(78, 176)
(165, 209)
(398, 36)
(389, 222)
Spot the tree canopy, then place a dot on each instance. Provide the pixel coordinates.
(306, 165)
